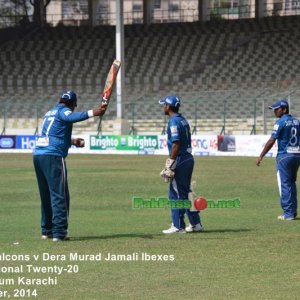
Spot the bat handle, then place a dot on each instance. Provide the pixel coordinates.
(99, 125)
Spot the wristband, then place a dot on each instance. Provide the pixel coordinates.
(90, 113)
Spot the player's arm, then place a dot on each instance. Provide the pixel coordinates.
(274, 136)
(175, 136)
(270, 143)
(171, 162)
(175, 150)
(72, 117)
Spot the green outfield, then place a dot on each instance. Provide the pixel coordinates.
(244, 253)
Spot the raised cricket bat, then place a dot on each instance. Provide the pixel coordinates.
(110, 81)
(109, 84)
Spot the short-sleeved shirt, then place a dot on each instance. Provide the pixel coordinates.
(55, 138)
(179, 130)
(287, 133)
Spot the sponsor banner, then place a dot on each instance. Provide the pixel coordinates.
(139, 143)
(26, 142)
(202, 145)
(252, 145)
(7, 142)
(223, 145)
(226, 143)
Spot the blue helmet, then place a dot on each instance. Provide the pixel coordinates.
(170, 100)
(279, 103)
(68, 98)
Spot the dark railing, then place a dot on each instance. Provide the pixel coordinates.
(213, 112)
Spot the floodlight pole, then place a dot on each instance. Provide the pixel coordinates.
(36, 120)
(264, 116)
(194, 131)
(120, 54)
(253, 131)
(4, 120)
(223, 131)
(164, 126)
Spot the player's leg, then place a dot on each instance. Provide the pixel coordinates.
(286, 176)
(67, 194)
(46, 209)
(59, 196)
(294, 170)
(183, 176)
(179, 190)
(177, 213)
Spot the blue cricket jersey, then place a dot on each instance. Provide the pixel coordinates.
(287, 133)
(179, 130)
(55, 138)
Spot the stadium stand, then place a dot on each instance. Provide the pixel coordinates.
(221, 69)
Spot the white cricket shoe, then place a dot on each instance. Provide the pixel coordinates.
(284, 218)
(46, 237)
(173, 229)
(64, 239)
(196, 228)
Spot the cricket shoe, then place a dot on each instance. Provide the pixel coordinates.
(285, 218)
(46, 236)
(64, 239)
(173, 229)
(196, 228)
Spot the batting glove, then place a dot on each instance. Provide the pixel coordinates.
(168, 172)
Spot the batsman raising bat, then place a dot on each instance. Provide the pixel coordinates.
(52, 147)
(179, 167)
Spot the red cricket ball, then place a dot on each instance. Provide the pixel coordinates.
(200, 203)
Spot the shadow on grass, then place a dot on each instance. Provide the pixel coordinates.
(150, 236)
(224, 230)
(114, 236)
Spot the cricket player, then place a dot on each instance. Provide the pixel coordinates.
(287, 133)
(49, 162)
(179, 167)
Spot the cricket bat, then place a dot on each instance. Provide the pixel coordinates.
(110, 81)
(109, 84)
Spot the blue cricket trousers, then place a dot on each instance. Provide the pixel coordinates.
(179, 189)
(52, 181)
(287, 168)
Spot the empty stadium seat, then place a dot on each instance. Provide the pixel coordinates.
(206, 63)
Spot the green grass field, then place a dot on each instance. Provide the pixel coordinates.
(244, 253)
